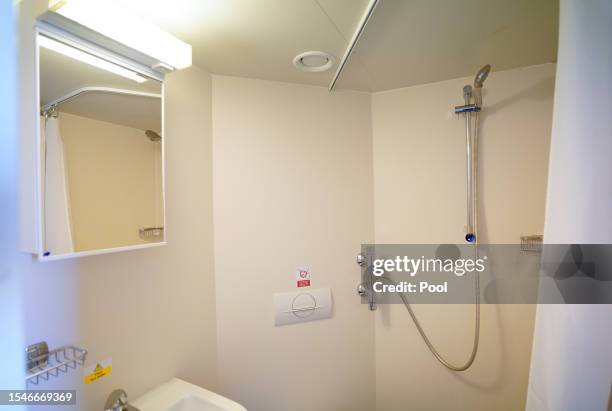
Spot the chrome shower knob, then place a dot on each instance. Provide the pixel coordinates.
(362, 290)
(361, 260)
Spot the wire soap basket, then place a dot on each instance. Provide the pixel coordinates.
(532, 243)
(43, 364)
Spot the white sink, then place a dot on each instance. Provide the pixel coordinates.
(179, 395)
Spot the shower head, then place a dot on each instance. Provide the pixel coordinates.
(153, 136)
(482, 76)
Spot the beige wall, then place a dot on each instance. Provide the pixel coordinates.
(419, 197)
(292, 187)
(151, 311)
(114, 182)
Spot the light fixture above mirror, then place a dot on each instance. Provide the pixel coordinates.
(110, 20)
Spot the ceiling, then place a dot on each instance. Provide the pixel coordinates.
(411, 42)
(407, 42)
(257, 38)
(61, 75)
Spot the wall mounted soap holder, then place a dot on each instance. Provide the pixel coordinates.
(151, 233)
(43, 364)
(532, 243)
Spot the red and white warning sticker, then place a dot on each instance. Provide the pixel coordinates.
(302, 276)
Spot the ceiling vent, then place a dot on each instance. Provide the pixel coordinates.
(314, 61)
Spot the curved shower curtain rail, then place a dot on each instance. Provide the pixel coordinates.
(109, 90)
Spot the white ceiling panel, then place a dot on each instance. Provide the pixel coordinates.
(257, 38)
(407, 42)
(411, 42)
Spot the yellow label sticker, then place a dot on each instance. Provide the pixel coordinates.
(99, 370)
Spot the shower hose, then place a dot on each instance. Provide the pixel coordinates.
(429, 344)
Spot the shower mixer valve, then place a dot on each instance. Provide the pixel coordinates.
(364, 289)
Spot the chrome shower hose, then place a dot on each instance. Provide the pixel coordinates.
(429, 344)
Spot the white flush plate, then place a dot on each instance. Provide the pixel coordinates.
(301, 306)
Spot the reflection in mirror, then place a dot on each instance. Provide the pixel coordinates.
(101, 153)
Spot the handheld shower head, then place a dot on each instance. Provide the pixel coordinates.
(481, 76)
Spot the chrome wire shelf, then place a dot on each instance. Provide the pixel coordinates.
(532, 243)
(43, 364)
(151, 233)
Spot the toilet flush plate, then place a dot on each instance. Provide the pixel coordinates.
(301, 306)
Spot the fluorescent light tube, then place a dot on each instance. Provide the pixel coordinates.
(112, 20)
(87, 58)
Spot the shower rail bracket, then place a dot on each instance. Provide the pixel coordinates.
(467, 108)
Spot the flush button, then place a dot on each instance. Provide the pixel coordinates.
(303, 305)
(300, 306)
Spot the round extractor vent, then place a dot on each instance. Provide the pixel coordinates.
(314, 61)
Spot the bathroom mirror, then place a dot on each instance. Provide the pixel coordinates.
(101, 154)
